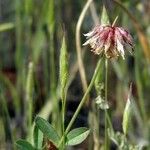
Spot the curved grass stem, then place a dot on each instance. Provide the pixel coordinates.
(78, 45)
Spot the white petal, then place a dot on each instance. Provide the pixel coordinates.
(86, 43)
(91, 40)
(120, 48)
(89, 33)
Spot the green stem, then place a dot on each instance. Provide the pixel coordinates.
(63, 116)
(29, 99)
(82, 102)
(106, 144)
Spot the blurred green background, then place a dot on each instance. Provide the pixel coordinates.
(32, 31)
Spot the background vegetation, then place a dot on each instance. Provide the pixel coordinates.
(31, 33)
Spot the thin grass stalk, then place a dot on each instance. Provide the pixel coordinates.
(78, 45)
(18, 40)
(45, 59)
(82, 101)
(63, 115)
(140, 91)
(29, 100)
(63, 119)
(96, 122)
(28, 4)
(13, 91)
(27, 7)
(28, 20)
(55, 111)
(51, 28)
(6, 118)
(18, 27)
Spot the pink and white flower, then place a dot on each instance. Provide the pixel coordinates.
(110, 40)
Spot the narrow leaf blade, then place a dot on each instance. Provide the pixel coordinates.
(77, 136)
(127, 114)
(104, 17)
(38, 138)
(47, 130)
(24, 145)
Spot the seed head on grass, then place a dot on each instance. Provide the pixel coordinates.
(109, 40)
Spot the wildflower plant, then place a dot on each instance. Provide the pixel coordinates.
(109, 40)
(36, 75)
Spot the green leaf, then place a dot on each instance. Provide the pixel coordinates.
(24, 145)
(63, 67)
(76, 136)
(48, 14)
(47, 130)
(38, 138)
(127, 114)
(104, 17)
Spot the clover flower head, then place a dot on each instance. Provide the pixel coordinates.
(110, 40)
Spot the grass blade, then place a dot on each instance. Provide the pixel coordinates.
(127, 114)
(29, 101)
